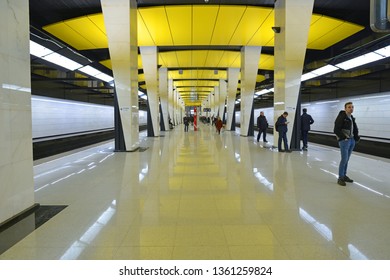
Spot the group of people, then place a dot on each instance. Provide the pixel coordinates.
(216, 121)
(345, 128)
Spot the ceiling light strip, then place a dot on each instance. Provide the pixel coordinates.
(60, 60)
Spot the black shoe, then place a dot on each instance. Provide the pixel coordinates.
(281, 151)
(304, 149)
(288, 151)
(341, 182)
(347, 179)
(265, 141)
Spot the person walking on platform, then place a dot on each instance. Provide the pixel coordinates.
(347, 134)
(262, 125)
(281, 128)
(218, 125)
(186, 122)
(306, 121)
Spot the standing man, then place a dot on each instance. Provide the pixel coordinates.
(186, 122)
(281, 127)
(347, 134)
(262, 125)
(306, 121)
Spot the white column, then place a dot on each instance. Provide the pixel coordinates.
(16, 160)
(233, 74)
(163, 92)
(149, 64)
(222, 97)
(216, 101)
(290, 50)
(212, 95)
(120, 19)
(170, 99)
(250, 57)
(176, 107)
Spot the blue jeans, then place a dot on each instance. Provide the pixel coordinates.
(346, 148)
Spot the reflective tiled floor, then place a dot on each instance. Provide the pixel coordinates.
(200, 195)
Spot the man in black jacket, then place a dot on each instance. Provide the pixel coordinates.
(306, 121)
(347, 134)
(281, 127)
(262, 125)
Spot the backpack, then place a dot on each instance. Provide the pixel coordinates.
(276, 124)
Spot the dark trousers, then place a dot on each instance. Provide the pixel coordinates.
(282, 136)
(304, 137)
(264, 131)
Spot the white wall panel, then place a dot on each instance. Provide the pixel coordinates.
(372, 113)
(51, 117)
(55, 117)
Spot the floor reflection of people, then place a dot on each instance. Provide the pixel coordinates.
(218, 143)
(186, 140)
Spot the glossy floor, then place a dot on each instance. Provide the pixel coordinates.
(200, 195)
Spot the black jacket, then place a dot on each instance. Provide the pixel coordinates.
(281, 124)
(262, 122)
(306, 121)
(343, 124)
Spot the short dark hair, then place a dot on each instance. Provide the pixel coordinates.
(285, 113)
(304, 110)
(348, 103)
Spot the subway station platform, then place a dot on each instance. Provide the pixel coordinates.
(204, 196)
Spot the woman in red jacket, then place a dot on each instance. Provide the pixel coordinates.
(219, 125)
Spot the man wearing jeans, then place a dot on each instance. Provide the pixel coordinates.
(347, 134)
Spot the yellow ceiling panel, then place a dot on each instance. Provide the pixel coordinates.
(157, 25)
(199, 58)
(315, 18)
(260, 78)
(202, 83)
(180, 22)
(267, 62)
(230, 59)
(168, 59)
(90, 31)
(144, 37)
(70, 36)
(98, 20)
(106, 63)
(249, 24)
(184, 58)
(203, 22)
(197, 74)
(214, 58)
(321, 27)
(330, 37)
(226, 23)
(140, 62)
(264, 35)
(192, 88)
(210, 74)
(193, 103)
(187, 74)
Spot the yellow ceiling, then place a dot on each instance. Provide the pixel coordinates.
(200, 25)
